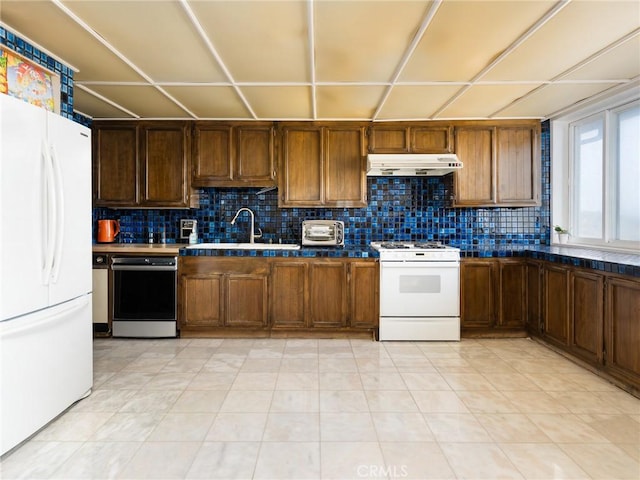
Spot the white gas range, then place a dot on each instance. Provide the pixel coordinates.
(419, 291)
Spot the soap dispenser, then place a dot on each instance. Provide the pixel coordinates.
(193, 236)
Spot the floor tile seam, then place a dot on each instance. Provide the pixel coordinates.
(52, 474)
(622, 453)
(497, 445)
(575, 418)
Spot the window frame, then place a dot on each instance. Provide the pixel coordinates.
(563, 188)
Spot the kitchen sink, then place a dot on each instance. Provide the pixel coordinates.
(246, 246)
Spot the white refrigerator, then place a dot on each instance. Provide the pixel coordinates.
(46, 359)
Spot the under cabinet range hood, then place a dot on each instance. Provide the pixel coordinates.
(411, 165)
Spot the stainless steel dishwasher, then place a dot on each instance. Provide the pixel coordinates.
(144, 296)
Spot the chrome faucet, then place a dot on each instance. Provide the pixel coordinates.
(252, 235)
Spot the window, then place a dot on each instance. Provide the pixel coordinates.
(587, 205)
(627, 186)
(596, 168)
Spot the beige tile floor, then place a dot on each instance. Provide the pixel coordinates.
(337, 409)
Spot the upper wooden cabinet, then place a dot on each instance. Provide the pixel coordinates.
(233, 155)
(501, 164)
(115, 164)
(164, 154)
(142, 165)
(322, 166)
(414, 138)
(475, 183)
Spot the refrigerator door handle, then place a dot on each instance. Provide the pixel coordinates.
(59, 215)
(49, 201)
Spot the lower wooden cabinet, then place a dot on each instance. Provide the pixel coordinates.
(590, 315)
(266, 296)
(586, 315)
(493, 296)
(364, 294)
(287, 294)
(622, 329)
(201, 304)
(222, 292)
(477, 293)
(328, 293)
(512, 299)
(533, 318)
(556, 304)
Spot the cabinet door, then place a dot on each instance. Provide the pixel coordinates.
(164, 148)
(364, 285)
(477, 293)
(518, 166)
(287, 294)
(328, 294)
(534, 297)
(254, 156)
(389, 139)
(586, 315)
(201, 301)
(115, 165)
(556, 304)
(301, 182)
(512, 294)
(474, 184)
(623, 329)
(246, 300)
(212, 155)
(344, 166)
(431, 139)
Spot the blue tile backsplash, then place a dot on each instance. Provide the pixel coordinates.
(400, 208)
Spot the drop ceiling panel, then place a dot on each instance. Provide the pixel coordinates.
(348, 102)
(144, 101)
(259, 41)
(363, 41)
(75, 47)
(415, 102)
(574, 34)
(210, 102)
(163, 44)
(358, 46)
(94, 107)
(287, 102)
(552, 98)
(465, 36)
(623, 62)
(481, 101)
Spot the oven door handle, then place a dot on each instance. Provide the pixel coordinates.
(145, 268)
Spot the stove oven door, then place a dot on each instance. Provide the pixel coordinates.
(419, 289)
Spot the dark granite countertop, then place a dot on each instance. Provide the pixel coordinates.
(614, 262)
(591, 258)
(348, 251)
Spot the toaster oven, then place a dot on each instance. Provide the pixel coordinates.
(322, 233)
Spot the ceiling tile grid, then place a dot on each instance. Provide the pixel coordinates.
(335, 59)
